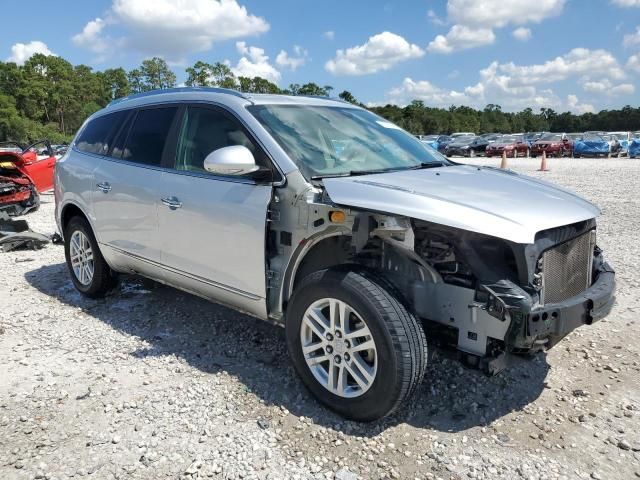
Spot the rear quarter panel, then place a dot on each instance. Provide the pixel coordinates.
(74, 184)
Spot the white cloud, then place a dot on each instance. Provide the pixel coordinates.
(299, 58)
(329, 35)
(254, 63)
(622, 89)
(521, 33)
(597, 87)
(634, 63)
(461, 37)
(380, 52)
(21, 52)
(173, 28)
(626, 3)
(474, 21)
(435, 19)
(428, 93)
(519, 86)
(91, 37)
(575, 106)
(605, 87)
(579, 61)
(632, 39)
(498, 13)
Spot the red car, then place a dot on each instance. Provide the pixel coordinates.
(554, 144)
(24, 173)
(512, 145)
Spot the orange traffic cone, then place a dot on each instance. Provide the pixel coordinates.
(543, 163)
(503, 163)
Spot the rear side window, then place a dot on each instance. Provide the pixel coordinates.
(148, 135)
(98, 134)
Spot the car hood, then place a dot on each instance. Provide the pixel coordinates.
(502, 145)
(485, 200)
(547, 142)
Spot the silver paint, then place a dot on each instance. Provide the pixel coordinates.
(483, 200)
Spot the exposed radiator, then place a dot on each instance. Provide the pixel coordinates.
(567, 268)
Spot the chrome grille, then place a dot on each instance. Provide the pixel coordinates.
(566, 268)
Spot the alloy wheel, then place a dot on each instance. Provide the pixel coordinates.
(338, 348)
(81, 256)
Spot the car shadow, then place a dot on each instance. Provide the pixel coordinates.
(213, 338)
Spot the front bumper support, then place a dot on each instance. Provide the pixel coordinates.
(593, 304)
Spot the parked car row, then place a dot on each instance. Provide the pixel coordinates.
(533, 144)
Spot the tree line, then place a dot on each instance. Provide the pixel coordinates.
(48, 97)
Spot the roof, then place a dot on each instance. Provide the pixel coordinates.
(218, 94)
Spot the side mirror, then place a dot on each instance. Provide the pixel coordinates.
(233, 160)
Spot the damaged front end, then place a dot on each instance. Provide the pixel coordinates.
(490, 279)
(18, 194)
(489, 297)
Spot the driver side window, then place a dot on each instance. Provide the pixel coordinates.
(207, 129)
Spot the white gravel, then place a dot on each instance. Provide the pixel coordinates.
(152, 383)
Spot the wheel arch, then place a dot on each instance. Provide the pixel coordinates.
(69, 211)
(309, 257)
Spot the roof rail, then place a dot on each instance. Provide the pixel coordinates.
(150, 93)
(322, 97)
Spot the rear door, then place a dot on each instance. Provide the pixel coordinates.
(128, 189)
(212, 228)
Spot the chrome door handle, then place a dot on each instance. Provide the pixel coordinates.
(104, 186)
(172, 202)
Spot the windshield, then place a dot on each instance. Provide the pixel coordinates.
(597, 138)
(464, 140)
(508, 139)
(334, 141)
(553, 137)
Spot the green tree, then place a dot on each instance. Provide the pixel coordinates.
(115, 83)
(203, 74)
(347, 97)
(156, 74)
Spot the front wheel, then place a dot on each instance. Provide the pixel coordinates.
(355, 346)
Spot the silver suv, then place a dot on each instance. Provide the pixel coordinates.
(325, 218)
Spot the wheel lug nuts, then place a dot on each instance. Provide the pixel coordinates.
(329, 337)
(338, 334)
(337, 359)
(347, 344)
(329, 349)
(346, 357)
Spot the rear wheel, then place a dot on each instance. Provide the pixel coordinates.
(355, 346)
(89, 272)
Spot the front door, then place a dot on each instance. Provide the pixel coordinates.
(212, 228)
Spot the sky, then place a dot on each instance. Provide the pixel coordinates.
(569, 55)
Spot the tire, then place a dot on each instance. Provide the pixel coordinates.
(559, 154)
(396, 365)
(472, 153)
(101, 279)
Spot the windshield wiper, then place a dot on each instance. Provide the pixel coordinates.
(354, 173)
(427, 165)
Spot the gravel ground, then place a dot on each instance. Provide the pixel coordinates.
(152, 383)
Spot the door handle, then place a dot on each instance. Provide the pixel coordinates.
(104, 186)
(172, 202)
